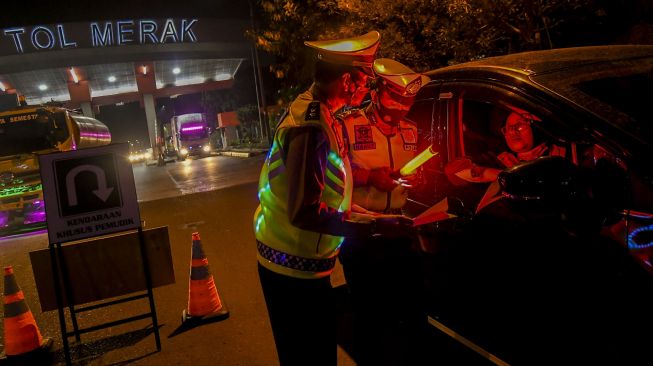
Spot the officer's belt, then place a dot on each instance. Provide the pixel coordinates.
(294, 261)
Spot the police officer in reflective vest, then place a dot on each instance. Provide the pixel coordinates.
(389, 312)
(305, 192)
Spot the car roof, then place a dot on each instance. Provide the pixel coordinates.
(554, 60)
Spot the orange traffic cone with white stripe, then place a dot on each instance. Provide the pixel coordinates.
(22, 337)
(203, 300)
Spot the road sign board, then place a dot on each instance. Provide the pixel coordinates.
(88, 192)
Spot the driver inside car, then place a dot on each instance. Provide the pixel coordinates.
(522, 144)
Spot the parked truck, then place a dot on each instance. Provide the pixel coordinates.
(186, 135)
(26, 132)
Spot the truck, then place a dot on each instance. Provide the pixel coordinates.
(26, 132)
(186, 135)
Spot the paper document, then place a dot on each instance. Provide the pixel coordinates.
(437, 212)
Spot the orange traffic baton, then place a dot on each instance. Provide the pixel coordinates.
(203, 300)
(21, 334)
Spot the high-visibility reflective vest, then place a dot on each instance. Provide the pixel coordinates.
(282, 247)
(369, 148)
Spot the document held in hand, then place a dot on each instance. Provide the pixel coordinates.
(437, 212)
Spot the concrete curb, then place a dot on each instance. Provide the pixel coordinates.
(232, 153)
(240, 154)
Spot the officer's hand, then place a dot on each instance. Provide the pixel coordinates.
(413, 180)
(380, 179)
(394, 226)
(456, 166)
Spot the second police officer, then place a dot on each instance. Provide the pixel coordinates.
(383, 273)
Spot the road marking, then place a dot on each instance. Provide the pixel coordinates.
(467, 343)
(192, 225)
(172, 179)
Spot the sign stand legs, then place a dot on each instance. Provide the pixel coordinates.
(68, 291)
(148, 282)
(54, 256)
(59, 268)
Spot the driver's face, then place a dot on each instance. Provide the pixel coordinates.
(518, 133)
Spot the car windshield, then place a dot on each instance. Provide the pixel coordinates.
(25, 133)
(621, 92)
(630, 94)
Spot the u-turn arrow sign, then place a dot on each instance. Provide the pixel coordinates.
(89, 192)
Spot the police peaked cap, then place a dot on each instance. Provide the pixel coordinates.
(398, 77)
(355, 51)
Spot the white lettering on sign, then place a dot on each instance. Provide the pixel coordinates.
(104, 38)
(15, 34)
(110, 33)
(117, 224)
(42, 38)
(93, 218)
(62, 39)
(102, 192)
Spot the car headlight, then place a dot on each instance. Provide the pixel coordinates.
(184, 151)
(206, 148)
(132, 158)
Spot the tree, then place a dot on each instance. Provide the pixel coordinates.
(249, 124)
(285, 25)
(427, 34)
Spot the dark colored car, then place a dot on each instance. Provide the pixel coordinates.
(572, 285)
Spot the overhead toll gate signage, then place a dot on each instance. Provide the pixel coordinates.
(19, 40)
(89, 192)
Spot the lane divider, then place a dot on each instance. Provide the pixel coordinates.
(467, 343)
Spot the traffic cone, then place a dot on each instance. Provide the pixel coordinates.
(203, 299)
(22, 336)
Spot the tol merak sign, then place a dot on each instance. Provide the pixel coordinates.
(101, 34)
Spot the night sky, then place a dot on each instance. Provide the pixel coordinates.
(15, 13)
(126, 122)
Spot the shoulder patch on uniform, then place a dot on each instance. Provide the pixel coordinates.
(312, 112)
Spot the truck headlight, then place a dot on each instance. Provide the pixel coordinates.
(184, 151)
(206, 148)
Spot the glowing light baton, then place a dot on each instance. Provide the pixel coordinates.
(418, 161)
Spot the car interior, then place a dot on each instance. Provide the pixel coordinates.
(477, 136)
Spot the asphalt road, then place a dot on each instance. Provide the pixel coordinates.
(215, 196)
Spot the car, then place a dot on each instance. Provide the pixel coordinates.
(138, 155)
(138, 152)
(543, 302)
